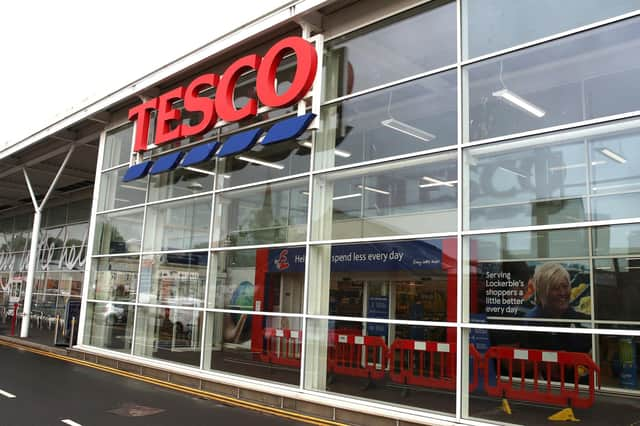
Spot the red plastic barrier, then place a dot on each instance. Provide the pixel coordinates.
(283, 346)
(528, 375)
(430, 364)
(358, 356)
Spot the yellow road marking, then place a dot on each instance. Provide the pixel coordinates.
(197, 392)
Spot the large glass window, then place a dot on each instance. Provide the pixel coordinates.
(410, 280)
(411, 117)
(404, 197)
(109, 326)
(117, 147)
(173, 279)
(256, 346)
(118, 232)
(114, 278)
(587, 75)
(169, 334)
(530, 278)
(491, 25)
(570, 176)
(405, 45)
(266, 162)
(269, 280)
(275, 213)
(116, 194)
(178, 225)
(342, 359)
(181, 182)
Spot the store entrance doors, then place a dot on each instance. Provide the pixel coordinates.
(418, 299)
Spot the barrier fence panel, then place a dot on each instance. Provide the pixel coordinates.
(358, 356)
(430, 364)
(542, 376)
(283, 347)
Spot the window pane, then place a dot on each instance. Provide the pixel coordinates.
(544, 179)
(275, 213)
(114, 278)
(117, 146)
(618, 240)
(257, 346)
(411, 280)
(584, 76)
(115, 194)
(341, 358)
(79, 211)
(266, 162)
(178, 225)
(118, 232)
(537, 289)
(405, 197)
(109, 326)
(169, 334)
(392, 49)
(181, 182)
(556, 370)
(527, 245)
(173, 279)
(268, 280)
(491, 25)
(415, 116)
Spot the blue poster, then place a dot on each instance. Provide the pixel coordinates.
(376, 257)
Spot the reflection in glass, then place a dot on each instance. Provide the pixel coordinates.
(411, 280)
(114, 278)
(257, 346)
(173, 279)
(272, 213)
(551, 178)
(406, 197)
(354, 61)
(618, 240)
(411, 117)
(118, 232)
(115, 194)
(407, 371)
(178, 225)
(266, 162)
(529, 290)
(181, 182)
(117, 146)
(109, 326)
(580, 77)
(540, 373)
(492, 25)
(616, 291)
(169, 334)
(270, 280)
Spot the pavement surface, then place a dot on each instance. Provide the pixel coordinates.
(39, 390)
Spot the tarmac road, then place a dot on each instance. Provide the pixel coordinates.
(37, 390)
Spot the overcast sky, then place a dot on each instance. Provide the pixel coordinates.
(58, 55)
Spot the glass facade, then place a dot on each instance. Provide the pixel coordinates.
(59, 273)
(462, 227)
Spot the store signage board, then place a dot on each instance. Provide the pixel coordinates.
(378, 257)
(169, 125)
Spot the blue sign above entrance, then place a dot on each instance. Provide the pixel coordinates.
(377, 257)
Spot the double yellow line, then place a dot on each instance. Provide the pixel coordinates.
(196, 392)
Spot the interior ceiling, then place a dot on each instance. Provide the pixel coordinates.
(42, 161)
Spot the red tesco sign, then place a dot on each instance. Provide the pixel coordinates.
(222, 106)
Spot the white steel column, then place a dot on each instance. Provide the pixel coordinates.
(35, 233)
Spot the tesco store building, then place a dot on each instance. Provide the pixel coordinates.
(371, 212)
